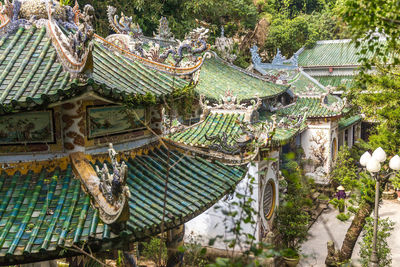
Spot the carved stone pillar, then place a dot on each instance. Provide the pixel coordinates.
(73, 117)
(174, 240)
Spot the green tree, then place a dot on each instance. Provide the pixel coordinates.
(375, 94)
(345, 171)
(181, 14)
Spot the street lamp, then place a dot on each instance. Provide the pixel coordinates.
(373, 165)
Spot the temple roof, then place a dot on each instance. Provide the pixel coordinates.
(346, 122)
(218, 76)
(32, 74)
(218, 123)
(331, 53)
(335, 80)
(43, 213)
(214, 124)
(315, 107)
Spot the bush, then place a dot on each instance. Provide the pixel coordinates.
(151, 251)
(292, 224)
(343, 216)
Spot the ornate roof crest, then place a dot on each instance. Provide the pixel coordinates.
(230, 102)
(26, 13)
(74, 50)
(252, 138)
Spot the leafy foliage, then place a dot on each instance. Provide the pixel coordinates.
(151, 251)
(345, 171)
(292, 220)
(366, 19)
(343, 216)
(378, 97)
(182, 15)
(385, 227)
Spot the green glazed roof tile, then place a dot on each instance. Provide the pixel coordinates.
(311, 105)
(218, 123)
(331, 53)
(40, 213)
(303, 83)
(215, 124)
(346, 122)
(217, 77)
(132, 77)
(335, 81)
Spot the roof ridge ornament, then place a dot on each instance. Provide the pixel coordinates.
(293, 121)
(230, 102)
(252, 138)
(163, 31)
(107, 188)
(74, 50)
(279, 61)
(123, 25)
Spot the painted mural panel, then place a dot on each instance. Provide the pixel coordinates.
(110, 120)
(29, 127)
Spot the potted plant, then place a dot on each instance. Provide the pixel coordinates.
(292, 224)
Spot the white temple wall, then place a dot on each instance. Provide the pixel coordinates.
(320, 143)
(213, 222)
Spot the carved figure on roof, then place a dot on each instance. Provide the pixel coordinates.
(292, 121)
(7, 9)
(123, 25)
(80, 41)
(255, 57)
(224, 46)
(279, 59)
(194, 43)
(113, 184)
(163, 31)
(75, 50)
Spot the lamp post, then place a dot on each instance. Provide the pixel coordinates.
(373, 165)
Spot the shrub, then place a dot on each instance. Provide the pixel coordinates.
(151, 251)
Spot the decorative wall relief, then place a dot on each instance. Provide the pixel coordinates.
(27, 128)
(109, 120)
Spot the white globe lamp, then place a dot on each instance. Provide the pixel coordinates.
(379, 154)
(373, 165)
(394, 163)
(365, 158)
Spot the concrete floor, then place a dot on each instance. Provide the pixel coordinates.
(327, 227)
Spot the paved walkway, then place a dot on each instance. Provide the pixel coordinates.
(327, 227)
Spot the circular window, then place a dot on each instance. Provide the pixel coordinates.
(269, 199)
